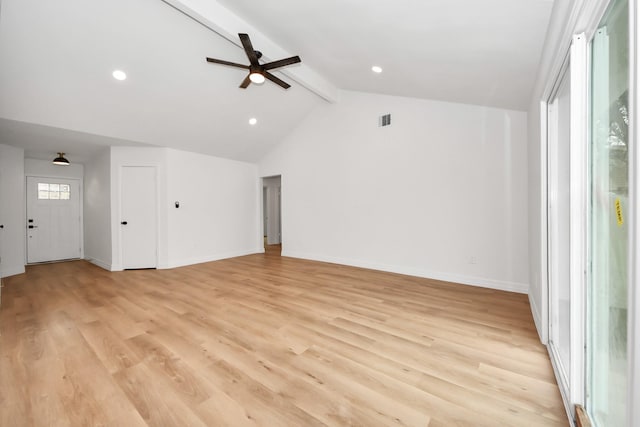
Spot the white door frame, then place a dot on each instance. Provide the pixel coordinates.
(579, 209)
(633, 321)
(563, 373)
(578, 69)
(274, 207)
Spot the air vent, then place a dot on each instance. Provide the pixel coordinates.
(385, 120)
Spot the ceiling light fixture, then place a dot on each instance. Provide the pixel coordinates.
(376, 69)
(253, 121)
(60, 160)
(119, 75)
(256, 78)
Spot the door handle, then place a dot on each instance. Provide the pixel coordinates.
(124, 223)
(1, 226)
(33, 226)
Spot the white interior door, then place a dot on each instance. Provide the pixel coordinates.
(53, 219)
(138, 219)
(265, 212)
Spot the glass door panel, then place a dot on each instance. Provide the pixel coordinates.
(559, 217)
(608, 232)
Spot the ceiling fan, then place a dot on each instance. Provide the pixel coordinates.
(258, 72)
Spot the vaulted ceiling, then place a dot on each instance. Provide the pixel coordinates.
(57, 92)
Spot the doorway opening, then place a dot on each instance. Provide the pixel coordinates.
(271, 214)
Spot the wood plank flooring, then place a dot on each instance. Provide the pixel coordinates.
(262, 340)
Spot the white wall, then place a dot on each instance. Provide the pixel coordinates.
(97, 210)
(218, 213)
(441, 193)
(12, 214)
(36, 167)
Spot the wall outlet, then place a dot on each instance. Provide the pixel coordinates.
(473, 260)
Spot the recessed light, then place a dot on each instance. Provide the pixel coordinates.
(119, 75)
(253, 121)
(376, 69)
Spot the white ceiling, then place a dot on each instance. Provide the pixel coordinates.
(44, 142)
(471, 51)
(57, 59)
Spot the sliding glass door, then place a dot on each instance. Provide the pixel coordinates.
(608, 220)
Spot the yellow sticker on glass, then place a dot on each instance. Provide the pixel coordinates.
(619, 213)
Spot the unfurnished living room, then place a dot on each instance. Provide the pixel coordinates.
(320, 213)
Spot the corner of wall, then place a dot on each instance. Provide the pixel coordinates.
(102, 264)
(12, 270)
(537, 318)
(12, 210)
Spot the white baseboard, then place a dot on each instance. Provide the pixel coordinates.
(12, 270)
(100, 263)
(501, 285)
(209, 258)
(537, 319)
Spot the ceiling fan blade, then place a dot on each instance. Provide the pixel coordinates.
(276, 80)
(246, 82)
(248, 48)
(281, 63)
(233, 64)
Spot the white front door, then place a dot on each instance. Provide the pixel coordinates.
(53, 219)
(138, 217)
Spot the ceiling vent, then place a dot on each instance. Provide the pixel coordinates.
(384, 120)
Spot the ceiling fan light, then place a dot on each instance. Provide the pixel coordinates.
(256, 78)
(60, 160)
(119, 75)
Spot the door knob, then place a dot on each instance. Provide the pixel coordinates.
(124, 223)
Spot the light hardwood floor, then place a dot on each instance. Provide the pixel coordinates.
(268, 341)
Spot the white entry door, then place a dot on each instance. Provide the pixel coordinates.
(138, 220)
(53, 219)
